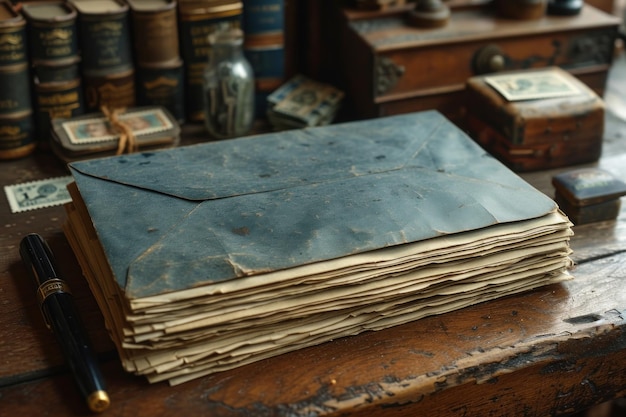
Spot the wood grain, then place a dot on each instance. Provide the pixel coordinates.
(551, 351)
(504, 353)
(572, 333)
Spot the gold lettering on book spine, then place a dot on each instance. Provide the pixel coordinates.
(56, 35)
(11, 39)
(9, 131)
(12, 47)
(160, 82)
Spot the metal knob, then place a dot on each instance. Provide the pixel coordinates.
(489, 59)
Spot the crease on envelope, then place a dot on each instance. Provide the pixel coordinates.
(287, 200)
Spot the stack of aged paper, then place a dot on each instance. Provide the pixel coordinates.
(208, 257)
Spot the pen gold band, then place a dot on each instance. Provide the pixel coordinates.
(98, 401)
(51, 286)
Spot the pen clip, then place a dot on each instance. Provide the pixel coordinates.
(46, 289)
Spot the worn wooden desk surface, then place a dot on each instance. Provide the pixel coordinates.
(556, 350)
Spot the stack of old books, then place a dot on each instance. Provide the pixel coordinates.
(208, 257)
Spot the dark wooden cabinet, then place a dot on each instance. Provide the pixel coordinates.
(390, 67)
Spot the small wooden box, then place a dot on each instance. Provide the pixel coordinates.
(535, 119)
(588, 195)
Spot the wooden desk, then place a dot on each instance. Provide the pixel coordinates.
(551, 351)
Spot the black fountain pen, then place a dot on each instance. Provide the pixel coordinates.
(57, 305)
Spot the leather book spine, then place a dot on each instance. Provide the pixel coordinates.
(14, 89)
(105, 43)
(264, 46)
(57, 72)
(159, 68)
(52, 40)
(55, 59)
(162, 85)
(56, 100)
(155, 31)
(16, 125)
(116, 90)
(197, 20)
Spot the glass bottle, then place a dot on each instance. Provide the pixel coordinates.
(228, 86)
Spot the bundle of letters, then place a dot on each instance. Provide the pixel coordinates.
(302, 102)
(208, 257)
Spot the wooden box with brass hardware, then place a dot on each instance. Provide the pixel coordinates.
(536, 118)
(392, 67)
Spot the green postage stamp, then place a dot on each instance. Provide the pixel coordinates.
(38, 194)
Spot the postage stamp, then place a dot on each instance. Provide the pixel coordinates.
(532, 85)
(98, 129)
(38, 194)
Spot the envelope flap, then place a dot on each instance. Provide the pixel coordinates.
(287, 159)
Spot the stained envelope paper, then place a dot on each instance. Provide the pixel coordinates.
(363, 225)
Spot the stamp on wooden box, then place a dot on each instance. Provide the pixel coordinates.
(532, 85)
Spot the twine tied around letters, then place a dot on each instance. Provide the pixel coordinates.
(128, 141)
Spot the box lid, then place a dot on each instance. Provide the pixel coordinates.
(587, 186)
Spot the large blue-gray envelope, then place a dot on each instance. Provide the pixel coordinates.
(190, 216)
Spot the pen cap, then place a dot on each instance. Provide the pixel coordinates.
(42, 268)
(38, 259)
